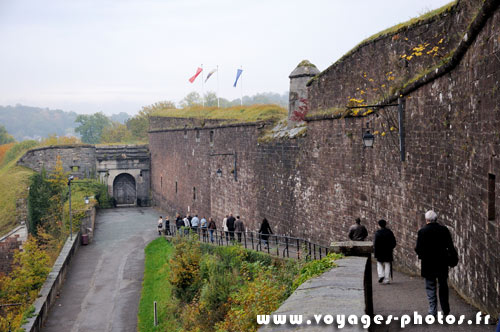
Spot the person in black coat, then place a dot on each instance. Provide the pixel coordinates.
(265, 230)
(433, 244)
(230, 226)
(383, 245)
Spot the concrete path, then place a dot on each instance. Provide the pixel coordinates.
(406, 294)
(103, 284)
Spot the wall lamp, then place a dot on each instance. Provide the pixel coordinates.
(369, 139)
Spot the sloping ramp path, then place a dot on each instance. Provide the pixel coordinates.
(103, 285)
(406, 294)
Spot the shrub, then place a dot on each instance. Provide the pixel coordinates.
(185, 268)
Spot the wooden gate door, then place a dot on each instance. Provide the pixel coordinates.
(124, 190)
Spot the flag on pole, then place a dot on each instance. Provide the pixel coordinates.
(198, 71)
(238, 74)
(210, 74)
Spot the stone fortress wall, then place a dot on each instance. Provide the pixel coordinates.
(105, 162)
(314, 186)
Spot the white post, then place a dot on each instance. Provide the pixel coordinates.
(202, 87)
(155, 315)
(218, 103)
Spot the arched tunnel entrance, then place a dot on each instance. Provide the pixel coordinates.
(124, 190)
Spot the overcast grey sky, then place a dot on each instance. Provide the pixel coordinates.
(118, 55)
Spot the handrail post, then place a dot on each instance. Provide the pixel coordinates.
(286, 247)
(298, 249)
(277, 246)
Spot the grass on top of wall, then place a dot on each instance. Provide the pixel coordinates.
(245, 113)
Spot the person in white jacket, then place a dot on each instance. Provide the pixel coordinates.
(224, 227)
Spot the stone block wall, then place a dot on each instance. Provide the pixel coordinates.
(8, 248)
(315, 186)
(79, 160)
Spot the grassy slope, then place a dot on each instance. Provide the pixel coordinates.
(156, 287)
(14, 182)
(239, 113)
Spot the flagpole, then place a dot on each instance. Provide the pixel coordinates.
(241, 85)
(202, 86)
(218, 103)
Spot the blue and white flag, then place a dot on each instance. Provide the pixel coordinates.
(210, 74)
(238, 74)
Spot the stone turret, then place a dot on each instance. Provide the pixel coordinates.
(298, 103)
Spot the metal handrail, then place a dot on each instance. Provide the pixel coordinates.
(277, 245)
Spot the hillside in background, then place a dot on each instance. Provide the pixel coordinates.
(26, 122)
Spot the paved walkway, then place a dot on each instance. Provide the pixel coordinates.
(103, 285)
(406, 294)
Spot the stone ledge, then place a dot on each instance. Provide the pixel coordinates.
(340, 290)
(52, 285)
(352, 248)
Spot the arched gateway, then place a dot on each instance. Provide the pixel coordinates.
(124, 190)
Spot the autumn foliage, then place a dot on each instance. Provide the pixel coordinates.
(3, 150)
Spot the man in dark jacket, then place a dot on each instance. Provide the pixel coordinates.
(230, 226)
(358, 232)
(433, 244)
(383, 245)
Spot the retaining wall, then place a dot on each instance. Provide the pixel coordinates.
(52, 285)
(339, 291)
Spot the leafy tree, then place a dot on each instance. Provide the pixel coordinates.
(116, 133)
(5, 137)
(139, 124)
(210, 99)
(91, 127)
(53, 139)
(192, 99)
(38, 200)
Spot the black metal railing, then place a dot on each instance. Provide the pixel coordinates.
(277, 245)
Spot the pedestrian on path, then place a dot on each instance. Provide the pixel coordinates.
(160, 225)
(195, 223)
(434, 247)
(212, 227)
(230, 226)
(224, 227)
(358, 232)
(187, 225)
(179, 222)
(264, 231)
(239, 228)
(203, 226)
(383, 245)
(167, 226)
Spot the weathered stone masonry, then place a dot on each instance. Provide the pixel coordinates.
(314, 187)
(109, 163)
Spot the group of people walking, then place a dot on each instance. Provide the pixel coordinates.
(434, 248)
(231, 226)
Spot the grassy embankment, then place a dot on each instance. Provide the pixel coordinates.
(200, 287)
(14, 183)
(231, 114)
(156, 287)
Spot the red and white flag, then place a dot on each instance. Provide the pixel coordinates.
(198, 71)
